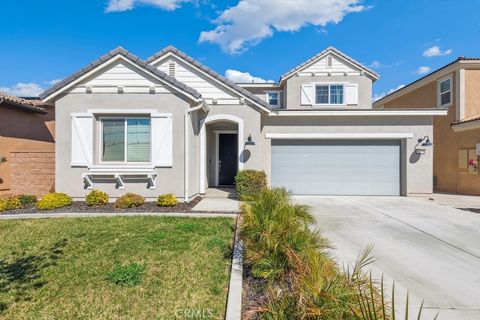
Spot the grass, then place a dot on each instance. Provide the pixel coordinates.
(77, 268)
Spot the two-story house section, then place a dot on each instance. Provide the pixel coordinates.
(170, 124)
(455, 88)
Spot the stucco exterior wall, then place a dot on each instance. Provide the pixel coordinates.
(293, 93)
(169, 180)
(417, 169)
(447, 176)
(472, 93)
(23, 131)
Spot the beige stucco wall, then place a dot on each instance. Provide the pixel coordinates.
(447, 142)
(169, 180)
(416, 170)
(22, 130)
(293, 90)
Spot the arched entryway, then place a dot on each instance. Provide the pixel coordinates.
(221, 145)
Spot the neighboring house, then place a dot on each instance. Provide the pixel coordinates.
(27, 142)
(171, 124)
(456, 89)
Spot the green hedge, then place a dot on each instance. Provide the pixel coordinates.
(96, 198)
(249, 183)
(167, 200)
(53, 201)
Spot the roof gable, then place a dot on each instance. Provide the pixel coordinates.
(114, 58)
(159, 60)
(341, 63)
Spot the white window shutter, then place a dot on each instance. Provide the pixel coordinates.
(307, 94)
(82, 140)
(351, 93)
(162, 140)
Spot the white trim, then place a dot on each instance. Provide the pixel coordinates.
(126, 111)
(203, 143)
(115, 59)
(217, 151)
(168, 54)
(439, 99)
(343, 136)
(466, 126)
(373, 112)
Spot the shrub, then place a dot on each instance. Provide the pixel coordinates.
(96, 198)
(27, 199)
(129, 200)
(167, 200)
(9, 203)
(249, 183)
(127, 275)
(53, 201)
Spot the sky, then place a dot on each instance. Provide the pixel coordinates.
(42, 42)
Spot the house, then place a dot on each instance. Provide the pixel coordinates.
(455, 89)
(171, 124)
(27, 146)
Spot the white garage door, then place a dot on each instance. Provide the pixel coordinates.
(337, 167)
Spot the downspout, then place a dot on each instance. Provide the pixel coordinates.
(201, 105)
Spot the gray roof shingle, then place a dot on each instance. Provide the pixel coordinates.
(131, 57)
(210, 72)
(338, 52)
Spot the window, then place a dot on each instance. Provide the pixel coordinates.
(273, 99)
(329, 94)
(126, 140)
(445, 92)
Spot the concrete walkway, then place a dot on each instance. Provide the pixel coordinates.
(430, 250)
(452, 200)
(218, 200)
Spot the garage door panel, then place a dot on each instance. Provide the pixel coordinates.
(338, 167)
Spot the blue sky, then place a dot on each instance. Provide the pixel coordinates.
(43, 41)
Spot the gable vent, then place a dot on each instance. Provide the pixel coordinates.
(329, 61)
(171, 69)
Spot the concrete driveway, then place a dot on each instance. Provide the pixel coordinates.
(430, 250)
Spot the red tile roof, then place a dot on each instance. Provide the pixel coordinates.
(466, 120)
(34, 105)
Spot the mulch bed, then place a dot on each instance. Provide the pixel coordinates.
(253, 293)
(81, 207)
(474, 210)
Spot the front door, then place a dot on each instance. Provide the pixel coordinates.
(227, 158)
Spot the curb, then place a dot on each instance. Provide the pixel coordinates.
(234, 298)
(122, 214)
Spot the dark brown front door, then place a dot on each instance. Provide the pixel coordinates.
(227, 158)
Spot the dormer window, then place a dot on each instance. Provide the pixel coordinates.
(445, 92)
(273, 98)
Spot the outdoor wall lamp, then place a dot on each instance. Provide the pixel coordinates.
(423, 144)
(250, 141)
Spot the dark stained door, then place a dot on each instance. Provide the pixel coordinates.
(227, 158)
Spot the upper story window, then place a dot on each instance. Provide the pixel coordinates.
(329, 94)
(445, 92)
(273, 98)
(126, 140)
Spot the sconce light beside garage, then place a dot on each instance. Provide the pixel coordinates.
(250, 141)
(423, 144)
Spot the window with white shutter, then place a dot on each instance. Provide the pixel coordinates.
(82, 140)
(162, 140)
(307, 94)
(352, 93)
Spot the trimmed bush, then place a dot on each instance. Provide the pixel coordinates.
(249, 183)
(129, 200)
(27, 199)
(167, 200)
(9, 203)
(96, 198)
(53, 201)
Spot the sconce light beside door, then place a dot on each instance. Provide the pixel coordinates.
(423, 144)
(250, 141)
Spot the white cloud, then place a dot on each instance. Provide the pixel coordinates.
(124, 5)
(243, 77)
(423, 70)
(53, 82)
(23, 89)
(435, 51)
(380, 95)
(251, 21)
(376, 64)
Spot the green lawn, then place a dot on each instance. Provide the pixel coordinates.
(58, 268)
